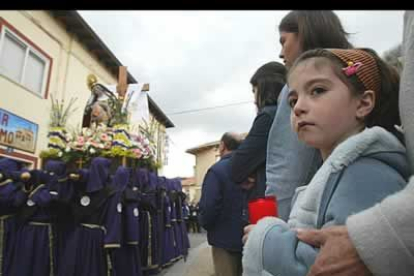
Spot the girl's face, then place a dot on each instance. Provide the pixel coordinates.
(324, 112)
(291, 48)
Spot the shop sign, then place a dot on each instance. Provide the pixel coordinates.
(17, 132)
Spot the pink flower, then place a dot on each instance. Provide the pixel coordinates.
(137, 153)
(81, 140)
(352, 68)
(94, 144)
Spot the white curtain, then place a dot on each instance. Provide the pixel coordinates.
(12, 57)
(35, 69)
(135, 103)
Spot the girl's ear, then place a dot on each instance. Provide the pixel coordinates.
(366, 104)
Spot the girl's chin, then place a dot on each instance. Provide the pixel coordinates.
(309, 142)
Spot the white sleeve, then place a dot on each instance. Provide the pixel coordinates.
(383, 235)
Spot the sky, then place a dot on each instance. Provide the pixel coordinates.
(204, 59)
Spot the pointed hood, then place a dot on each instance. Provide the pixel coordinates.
(8, 167)
(56, 167)
(80, 184)
(121, 178)
(7, 164)
(142, 178)
(98, 174)
(152, 182)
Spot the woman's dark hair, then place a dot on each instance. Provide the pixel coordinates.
(269, 79)
(385, 113)
(316, 29)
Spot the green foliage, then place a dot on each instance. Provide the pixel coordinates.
(149, 163)
(149, 129)
(59, 113)
(67, 157)
(50, 154)
(119, 117)
(117, 151)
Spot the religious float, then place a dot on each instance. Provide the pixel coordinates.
(97, 207)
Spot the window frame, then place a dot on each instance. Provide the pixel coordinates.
(6, 27)
(32, 161)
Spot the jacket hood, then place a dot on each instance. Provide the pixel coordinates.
(373, 142)
(376, 143)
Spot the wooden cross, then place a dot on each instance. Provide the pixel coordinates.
(122, 86)
(145, 87)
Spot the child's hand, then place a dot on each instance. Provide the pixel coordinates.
(247, 230)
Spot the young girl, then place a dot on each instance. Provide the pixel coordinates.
(290, 162)
(345, 104)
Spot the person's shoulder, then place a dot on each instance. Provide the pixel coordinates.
(358, 186)
(220, 164)
(268, 110)
(375, 171)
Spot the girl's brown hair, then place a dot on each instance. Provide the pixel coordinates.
(387, 80)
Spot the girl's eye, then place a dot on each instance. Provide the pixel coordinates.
(318, 90)
(292, 102)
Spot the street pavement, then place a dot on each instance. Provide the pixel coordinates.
(199, 261)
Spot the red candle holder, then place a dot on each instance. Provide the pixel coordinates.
(262, 207)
